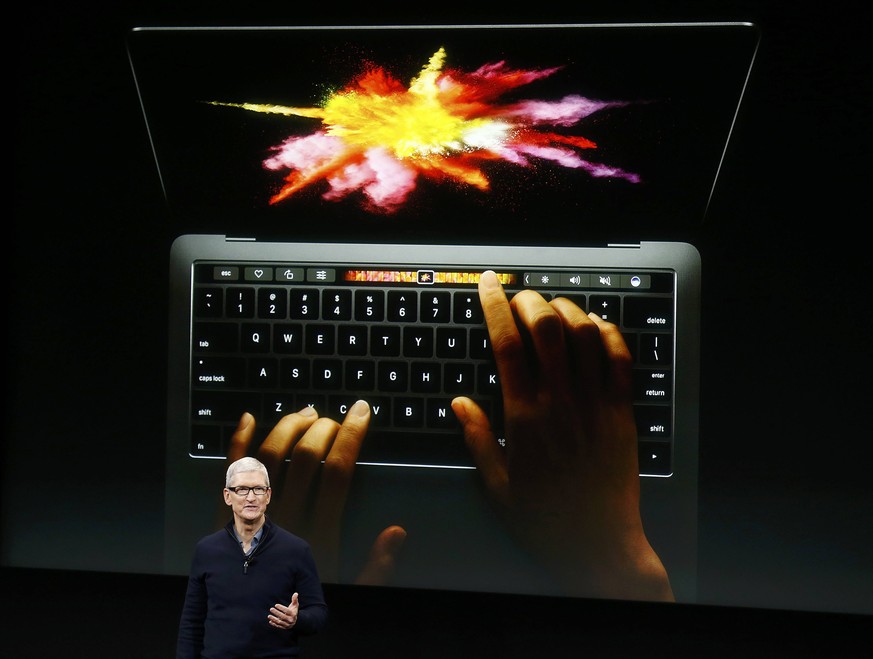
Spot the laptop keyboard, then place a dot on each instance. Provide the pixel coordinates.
(271, 338)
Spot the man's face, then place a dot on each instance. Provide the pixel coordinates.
(251, 507)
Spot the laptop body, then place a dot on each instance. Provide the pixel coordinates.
(583, 170)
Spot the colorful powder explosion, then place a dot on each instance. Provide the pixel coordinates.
(378, 136)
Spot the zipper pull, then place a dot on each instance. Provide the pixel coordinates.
(246, 566)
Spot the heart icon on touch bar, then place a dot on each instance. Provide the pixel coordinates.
(259, 273)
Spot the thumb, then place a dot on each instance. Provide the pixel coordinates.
(383, 557)
(478, 434)
(488, 456)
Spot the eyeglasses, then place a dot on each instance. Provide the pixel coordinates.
(243, 491)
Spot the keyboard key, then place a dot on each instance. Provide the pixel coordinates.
(385, 341)
(451, 342)
(649, 313)
(320, 339)
(409, 412)
(303, 303)
(653, 385)
(436, 307)
(352, 339)
(425, 377)
(337, 305)
(653, 421)
(215, 337)
(655, 349)
(459, 378)
(272, 303)
(294, 373)
(338, 407)
(607, 307)
(402, 306)
(468, 309)
(440, 414)
(263, 373)
(488, 383)
(206, 441)
(255, 337)
(223, 406)
(208, 302)
(418, 341)
(380, 412)
(327, 374)
(654, 458)
(361, 375)
(288, 338)
(315, 401)
(393, 376)
(480, 344)
(240, 302)
(219, 372)
(370, 305)
(277, 405)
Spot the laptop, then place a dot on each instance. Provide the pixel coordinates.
(335, 193)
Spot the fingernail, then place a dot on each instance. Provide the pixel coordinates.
(307, 411)
(488, 279)
(459, 409)
(244, 421)
(360, 408)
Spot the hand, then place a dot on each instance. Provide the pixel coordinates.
(310, 490)
(567, 483)
(284, 617)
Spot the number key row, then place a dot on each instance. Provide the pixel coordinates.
(339, 304)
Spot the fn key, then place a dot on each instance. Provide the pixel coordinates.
(206, 442)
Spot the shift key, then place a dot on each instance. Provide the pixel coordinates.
(223, 406)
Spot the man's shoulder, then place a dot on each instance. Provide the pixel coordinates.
(214, 538)
(283, 535)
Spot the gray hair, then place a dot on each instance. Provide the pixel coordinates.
(244, 465)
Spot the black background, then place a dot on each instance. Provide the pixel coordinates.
(785, 503)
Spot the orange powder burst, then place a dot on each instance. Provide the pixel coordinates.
(377, 135)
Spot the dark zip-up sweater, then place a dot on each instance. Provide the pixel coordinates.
(229, 597)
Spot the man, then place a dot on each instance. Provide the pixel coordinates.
(254, 588)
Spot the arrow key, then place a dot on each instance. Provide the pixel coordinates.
(654, 458)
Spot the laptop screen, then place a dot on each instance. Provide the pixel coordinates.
(495, 135)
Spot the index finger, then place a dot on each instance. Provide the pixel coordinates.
(339, 464)
(506, 341)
